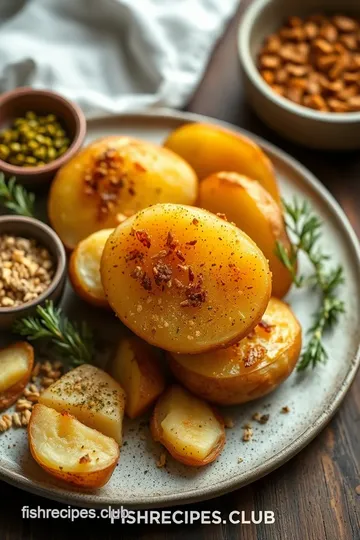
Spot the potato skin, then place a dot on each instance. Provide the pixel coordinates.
(226, 380)
(94, 297)
(113, 177)
(146, 380)
(246, 203)
(210, 149)
(157, 435)
(214, 294)
(85, 479)
(9, 396)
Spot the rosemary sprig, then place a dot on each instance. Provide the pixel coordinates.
(305, 229)
(15, 197)
(73, 341)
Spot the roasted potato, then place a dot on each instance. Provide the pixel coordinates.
(246, 203)
(183, 279)
(190, 429)
(92, 396)
(210, 149)
(16, 364)
(136, 368)
(113, 177)
(84, 268)
(249, 369)
(69, 450)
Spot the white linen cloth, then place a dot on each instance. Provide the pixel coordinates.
(110, 55)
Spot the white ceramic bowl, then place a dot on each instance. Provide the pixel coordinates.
(331, 131)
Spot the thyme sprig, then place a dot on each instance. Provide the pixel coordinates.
(15, 197)
(305, 229)
(70, 340)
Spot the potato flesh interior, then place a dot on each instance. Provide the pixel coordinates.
(92, 396)
(266, 343)
(61, 439)
(207, 291)
(88, 261)
(190, 426)
(14, 365)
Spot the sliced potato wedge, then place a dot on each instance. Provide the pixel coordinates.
(210, 149)
(249, 369)
(190, 429)
(136, 368)
(246, 203)
(183, 279)
(69, 450)
(92, 396)
(16, 365)
(84, 268)
(114, 177)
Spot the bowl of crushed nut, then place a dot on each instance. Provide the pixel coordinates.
(301, 66)
(32, 269)
(39, 131)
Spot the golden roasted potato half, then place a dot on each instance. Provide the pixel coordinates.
(247, 204)
(136, 368)
(183, 279)
(113, 177)
(251, 368)
(16, 365)
(84, 268)
(190, 429)
(210, 149)
(69, 450)
(92, 396)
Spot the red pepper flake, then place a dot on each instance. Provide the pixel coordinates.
(170, 241)
(146, 282)
(144, 238)
(162, 273)
(195, 221)
(180, 255)
(191, 274)
(139, 167)
(134, 254)
(222, 216)
(131, 191)
(85, 459)
(266, 326)
(192, 243)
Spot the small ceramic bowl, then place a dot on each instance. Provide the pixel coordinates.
(34, 229)
(331, 131)
(16, 103)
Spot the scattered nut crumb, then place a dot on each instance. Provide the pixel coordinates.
(16, 420)
(161, 461)
(85, 459)
(25, 417)
(5, 423)
(228, 422)
(247, 435)
(285, 409)
(240, 460)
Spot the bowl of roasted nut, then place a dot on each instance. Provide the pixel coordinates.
(301, 65)
(39, 131)
(32, 267)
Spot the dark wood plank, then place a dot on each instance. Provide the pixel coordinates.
(313, 496)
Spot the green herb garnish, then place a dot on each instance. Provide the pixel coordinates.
(15, 197)
(305, 229)
(70, 340)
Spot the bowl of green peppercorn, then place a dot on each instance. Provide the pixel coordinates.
(39, 131)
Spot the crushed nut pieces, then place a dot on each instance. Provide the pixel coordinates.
(26, 270)
(315, 62)
(42, 373)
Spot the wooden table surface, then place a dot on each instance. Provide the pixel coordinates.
(314, 495)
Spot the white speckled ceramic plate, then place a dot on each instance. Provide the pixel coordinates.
(312, 398)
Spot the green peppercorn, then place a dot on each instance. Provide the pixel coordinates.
(4, 151)
(15, 147)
